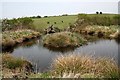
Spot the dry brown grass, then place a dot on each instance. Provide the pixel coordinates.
(83, 64)
(63, 39)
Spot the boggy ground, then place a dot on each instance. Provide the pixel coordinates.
(81, 66)
(63, 40)
(10, 38)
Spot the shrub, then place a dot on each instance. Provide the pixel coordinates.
(104, 20)
(54, 22)
(85, 65)
(13, 24)
(65, 15)
(100, 12)
(48, 22)
(97, 12)
(63, 39)
(45, 16)
(38, 16)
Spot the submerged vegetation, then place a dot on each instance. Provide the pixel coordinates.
(63, 39)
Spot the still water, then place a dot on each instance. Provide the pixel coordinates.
(42, 57)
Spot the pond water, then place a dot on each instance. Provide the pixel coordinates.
(42, 57)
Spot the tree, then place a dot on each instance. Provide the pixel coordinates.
(38, 16)
(97, 12)
(100, 12)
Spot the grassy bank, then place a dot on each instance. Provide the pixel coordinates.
(15, 67)
(10, 38)
(63, 39)
(81, 66)
(100, 31)
(85, 65)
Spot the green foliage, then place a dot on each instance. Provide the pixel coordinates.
(10, 62)
(63, 39)
(10, 38)
(101, 19)
(62, 22)
(20, 23)
(40, 75)
(117, 19)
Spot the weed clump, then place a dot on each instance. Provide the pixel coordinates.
(85, 66)
(63, 39)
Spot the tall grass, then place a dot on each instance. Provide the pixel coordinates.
(63, 39)
(10, 38)
(86, 66)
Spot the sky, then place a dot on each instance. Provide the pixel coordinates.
(22, 8)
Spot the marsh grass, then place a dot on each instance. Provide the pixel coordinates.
(10, 38)
(12, 66)
(10, 62)
(63, 39)
(95, 30)
(86, 66)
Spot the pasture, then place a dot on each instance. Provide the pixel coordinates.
(61, 22)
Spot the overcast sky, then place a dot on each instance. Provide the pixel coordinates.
(21, 8)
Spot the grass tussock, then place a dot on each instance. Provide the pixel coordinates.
(63, 39)
(11, 62)
(12, 66)
(85, 66)
(100, 31)
(10, 38)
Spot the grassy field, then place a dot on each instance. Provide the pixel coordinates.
(62, 22)
(41, 23)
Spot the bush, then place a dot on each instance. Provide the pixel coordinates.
(63, 39)
(104, 20)
(38, 16)
(45, 16)
(85, 65)
(13, 24)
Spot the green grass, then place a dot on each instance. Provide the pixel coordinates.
(63, 39)
(41, 23)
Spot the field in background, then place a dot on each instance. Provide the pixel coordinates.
(42, 23)
(63, 22)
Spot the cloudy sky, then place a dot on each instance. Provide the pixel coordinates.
(21, 8)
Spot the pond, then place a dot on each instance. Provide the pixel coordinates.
(42, 57)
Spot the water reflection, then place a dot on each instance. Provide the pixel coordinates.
(41, 56)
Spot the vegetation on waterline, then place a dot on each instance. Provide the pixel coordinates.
(10, 38)
(63, 39)
(15, 66)
(85, 66)
(100, 31)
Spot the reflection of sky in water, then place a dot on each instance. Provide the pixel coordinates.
(43, 57)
